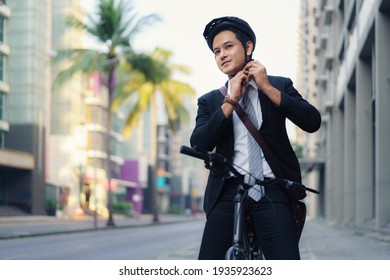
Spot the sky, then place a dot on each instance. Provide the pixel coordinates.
(275, 23)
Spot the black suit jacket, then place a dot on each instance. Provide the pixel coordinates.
(214, 131)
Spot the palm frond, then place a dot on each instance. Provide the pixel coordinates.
(142, 23)
(174, 93)
(158, 70)
(74, 22)
(126, 88)
(141, 104)
(109, 16)
(76, 60)
(131, 121)
(116, 23)
(154, 71)
(184, 69)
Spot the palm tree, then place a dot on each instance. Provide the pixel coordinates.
(113, 26)
(143, 89)
(154, 75)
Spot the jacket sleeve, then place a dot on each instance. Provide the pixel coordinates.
(298, 110)
(211, 124)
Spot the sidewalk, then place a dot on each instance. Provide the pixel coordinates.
(24, 226)
(322, 240)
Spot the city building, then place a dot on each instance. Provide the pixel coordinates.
(171, 176)
(67, 136)
(24, 98)
(352, 43)
(312, 159)
(52, 151)
(52, 139)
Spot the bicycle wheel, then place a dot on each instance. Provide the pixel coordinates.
(234, 254)
(257, 255)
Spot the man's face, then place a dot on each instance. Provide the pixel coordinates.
(229, 53)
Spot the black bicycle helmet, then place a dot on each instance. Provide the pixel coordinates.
(219, 24)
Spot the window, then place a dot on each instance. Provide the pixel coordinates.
(2, 24)
(95, 162)
(2, 117)
(352, 19)
(2, 139)
(2, 105)
(96, 141)
(1, 67)
(341, 52)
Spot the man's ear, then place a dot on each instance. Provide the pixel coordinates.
(249, 48)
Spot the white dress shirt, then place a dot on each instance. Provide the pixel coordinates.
(241, 153)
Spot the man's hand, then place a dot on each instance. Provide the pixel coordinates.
(256, 71)
(238, 85)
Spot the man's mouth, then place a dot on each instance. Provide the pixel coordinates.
(225, 63)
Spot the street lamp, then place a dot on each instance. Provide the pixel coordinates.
(110, 221)
(81, 173)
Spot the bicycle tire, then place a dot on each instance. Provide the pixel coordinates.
(232, 254)
(257, 255)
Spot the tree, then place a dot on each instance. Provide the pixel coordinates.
(157, 77)
(113, 26)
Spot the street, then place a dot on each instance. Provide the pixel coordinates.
(138, 243)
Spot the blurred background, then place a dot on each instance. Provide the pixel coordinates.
(96, 98)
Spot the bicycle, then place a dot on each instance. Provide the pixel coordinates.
(244, 245)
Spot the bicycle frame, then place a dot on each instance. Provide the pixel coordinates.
(244, 245)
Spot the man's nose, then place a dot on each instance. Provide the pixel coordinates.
(222, 54)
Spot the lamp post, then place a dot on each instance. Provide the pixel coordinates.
(156, 218)
(81, 173)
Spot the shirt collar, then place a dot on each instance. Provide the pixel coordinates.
(252, 83)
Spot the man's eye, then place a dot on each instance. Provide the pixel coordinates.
(216, 52)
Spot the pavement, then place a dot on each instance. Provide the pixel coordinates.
(321, 240)
(28, 226)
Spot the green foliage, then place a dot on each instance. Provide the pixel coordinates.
(50, 205)
(298, 149)
(174, 209)
(137, 75)
(157, 71)
(153, 71)
(122, 207)
(114, 26)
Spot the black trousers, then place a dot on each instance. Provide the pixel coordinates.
(273, 222)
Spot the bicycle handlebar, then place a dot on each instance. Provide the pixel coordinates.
(194, 153)
(209, 157)
(291, 184)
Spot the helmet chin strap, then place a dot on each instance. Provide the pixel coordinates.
(248, 58)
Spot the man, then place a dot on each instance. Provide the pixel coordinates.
(273, 99)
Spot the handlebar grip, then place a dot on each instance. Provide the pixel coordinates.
(291, 184)
(193, 153)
